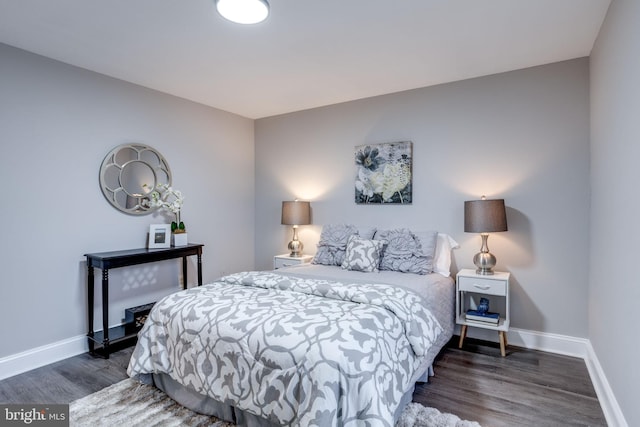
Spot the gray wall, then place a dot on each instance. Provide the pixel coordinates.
(57, 123)
(615, 149)
(522, 136)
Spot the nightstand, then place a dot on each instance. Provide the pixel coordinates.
(285, 260)
(470, 287)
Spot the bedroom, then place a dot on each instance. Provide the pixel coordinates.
(570, 126)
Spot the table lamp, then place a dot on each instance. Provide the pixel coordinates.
(296, 213)
(484, 217)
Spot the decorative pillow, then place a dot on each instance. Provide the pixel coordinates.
(366, 232)
(429, 242)
(336, 235)
(362, 254)
(404, 251)
(328, 255)
(333, 243)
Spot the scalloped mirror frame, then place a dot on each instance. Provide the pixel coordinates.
(129, 173)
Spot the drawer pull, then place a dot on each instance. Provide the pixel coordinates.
(483, 287)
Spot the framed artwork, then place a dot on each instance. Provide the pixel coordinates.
(384, 173)
(159, 236)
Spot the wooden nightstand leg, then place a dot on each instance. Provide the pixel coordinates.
(503, 343)
(463, 334)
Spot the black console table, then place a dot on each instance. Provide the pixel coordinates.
(108, 260)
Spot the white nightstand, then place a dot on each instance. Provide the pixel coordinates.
(470, 287)
(285, 260)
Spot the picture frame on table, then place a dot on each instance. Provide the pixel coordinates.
(159, 236)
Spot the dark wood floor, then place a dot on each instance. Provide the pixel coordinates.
(526, 388)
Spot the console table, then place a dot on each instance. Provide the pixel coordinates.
(116, 259)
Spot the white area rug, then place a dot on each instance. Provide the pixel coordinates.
(132, 404)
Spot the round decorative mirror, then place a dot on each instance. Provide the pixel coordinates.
(129, 173)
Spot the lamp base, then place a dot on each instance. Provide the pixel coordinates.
(484, 261)
(295, 246)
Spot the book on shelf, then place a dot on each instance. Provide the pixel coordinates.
(487, 317)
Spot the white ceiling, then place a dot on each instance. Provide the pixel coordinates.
(307, 53)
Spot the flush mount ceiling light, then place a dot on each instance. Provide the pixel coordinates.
(243, 11)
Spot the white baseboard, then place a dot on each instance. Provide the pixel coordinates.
(552, 343)
(610, 407)
(568, 346)
(40, 356)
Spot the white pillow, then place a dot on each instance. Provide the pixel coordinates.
(442, 261)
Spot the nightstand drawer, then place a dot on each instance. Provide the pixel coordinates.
(281, 261)
(482, 285)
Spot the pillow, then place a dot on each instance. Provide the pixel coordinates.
(404, 251)
(366, 233)
(442, 261)
(362, 255)
(333, 243)
(336, 235)
(429, 241)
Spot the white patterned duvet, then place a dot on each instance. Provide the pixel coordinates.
(291, 350)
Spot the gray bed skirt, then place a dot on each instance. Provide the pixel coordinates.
(208, 406)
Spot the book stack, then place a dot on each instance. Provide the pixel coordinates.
(485, 317)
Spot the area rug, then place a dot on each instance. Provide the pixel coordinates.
(132, 404)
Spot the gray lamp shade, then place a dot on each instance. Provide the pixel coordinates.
(485, 216)
(296, 213)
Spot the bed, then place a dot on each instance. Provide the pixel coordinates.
(313, 344)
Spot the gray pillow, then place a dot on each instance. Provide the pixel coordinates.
(336, 235)
(405, 251)
(429, 242)
(328, 255)
(366, 232)
(333, 243)
(362, 255)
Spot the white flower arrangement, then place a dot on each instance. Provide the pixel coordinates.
(169, 199)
